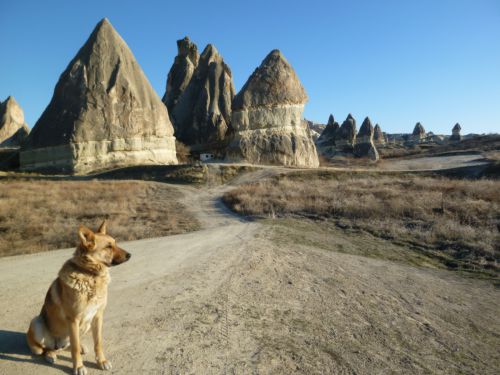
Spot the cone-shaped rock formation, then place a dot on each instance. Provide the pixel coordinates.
(181, 72)
(418, 131)
(202, 114)
(267, 118)
(346, 135)
(378, 135)
(455, 133)
(104, 113)
(364, 146)
(327, 137)
(13, 129)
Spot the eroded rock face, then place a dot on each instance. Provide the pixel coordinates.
(103, 114)
(13, 129)
(346, 135)
(181, 72)
(379, 137)
(327, 137)
(455, 133)
(364, 146)
(267, 118)
(202, 115)
(418, 131)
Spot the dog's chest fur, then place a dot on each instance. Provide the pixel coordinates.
(90, 292)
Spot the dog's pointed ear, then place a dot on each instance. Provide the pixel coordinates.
(102, 228)
(87, 237)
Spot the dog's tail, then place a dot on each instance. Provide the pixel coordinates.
(35, 347)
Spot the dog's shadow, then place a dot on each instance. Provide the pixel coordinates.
(13, 347)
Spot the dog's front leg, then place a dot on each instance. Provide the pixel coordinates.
(97, 335)
(74, 337)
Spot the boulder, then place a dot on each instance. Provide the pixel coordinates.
(103, 114)
(327, 137)
(346, 135)
(202, 115)
(455, 133)
(267, 118)
(364, 146)
(13, 129)
(181, 72)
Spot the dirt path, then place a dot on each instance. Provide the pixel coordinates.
(234, 298)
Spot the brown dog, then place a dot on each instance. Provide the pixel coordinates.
(76, 300)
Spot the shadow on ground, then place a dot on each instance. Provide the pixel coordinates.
(13, 347)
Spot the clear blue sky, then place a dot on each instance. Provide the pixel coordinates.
(397, 61)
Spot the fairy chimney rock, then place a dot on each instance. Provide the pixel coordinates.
(327, 137)
(181, 71)
(378, 135)
(455, 133)
(103, 114)
(267, 118)
(364, 146)
(202, 114)
(418, 131)
(346, 138)
(13, 129)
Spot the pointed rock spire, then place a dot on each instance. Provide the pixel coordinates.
(455, 133)
(267, 118)
(13, 129)
(346, 137)
(364, 146)
(366, 129)
(419, 130)
(274, 82)
(327, 137)
(104, 113)
(181, 72)
(202, 114)
(378, 135)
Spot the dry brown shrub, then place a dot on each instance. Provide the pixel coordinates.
(459, 217)
(43, 215)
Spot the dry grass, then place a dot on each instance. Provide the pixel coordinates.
(458, 219)
(44, 215)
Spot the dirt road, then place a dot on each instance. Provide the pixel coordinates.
(236, 298)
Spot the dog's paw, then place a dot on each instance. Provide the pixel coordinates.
(105, 365)
(50, 357)
(83, 349)
(82, 370)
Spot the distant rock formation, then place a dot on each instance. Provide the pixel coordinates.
(346, 135)
(13, 129)
(181, 72)
(202, 114)
(418, 132)
(364, 146)
(103, 114)
(327, 137)
(267, 118)
(379, 138)
(455, 133)
(314, 129)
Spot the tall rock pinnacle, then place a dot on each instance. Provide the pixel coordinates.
(13, 129)
(104, 113)
(181, 72)
(267, 118)
(202, 113)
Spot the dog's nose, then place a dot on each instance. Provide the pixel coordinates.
(128, 256)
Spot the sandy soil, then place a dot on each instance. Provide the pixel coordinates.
(239, 297)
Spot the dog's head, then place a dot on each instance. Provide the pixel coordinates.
(100, 247)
